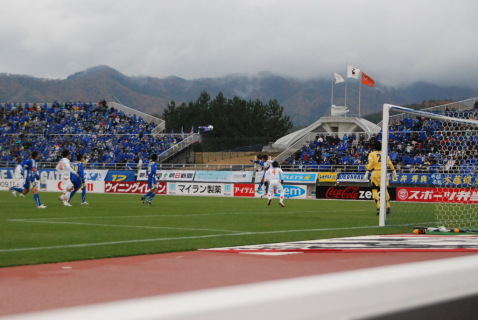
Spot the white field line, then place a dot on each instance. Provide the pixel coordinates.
(119, 225)
(171, 215)
(83, 245)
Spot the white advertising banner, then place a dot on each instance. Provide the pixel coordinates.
(224, 176)
(294, 177)
(175, 175)
(6, 184)
(290, 192)
(201, 189)
(55, 186)
(168, 175)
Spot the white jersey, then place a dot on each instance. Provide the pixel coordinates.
(267, 164)
(274, 174)
(18, 173)
(64, 168)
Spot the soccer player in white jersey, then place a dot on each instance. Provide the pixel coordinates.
(18, 179)
(275, 177)
(64, 169)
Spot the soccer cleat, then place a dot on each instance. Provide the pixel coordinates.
(61, 198)
(148, 203)
(14, 193)
(142, 199)
(378, 211)
(388, 210)
(67, 204)
(281, 204)
(22, 195)
(85, 203)
(42, 206)
(269, 202)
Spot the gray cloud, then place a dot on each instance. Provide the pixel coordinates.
(395, 42)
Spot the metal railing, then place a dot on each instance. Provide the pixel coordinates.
(250, 167)
(183, 144)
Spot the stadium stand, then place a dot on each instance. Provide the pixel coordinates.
(106, 134)
(417, 144)
(109, 136)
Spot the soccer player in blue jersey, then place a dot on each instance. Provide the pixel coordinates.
(84, 160)
(265, 163)
(32, 177)
(152, 180)
(78, 181)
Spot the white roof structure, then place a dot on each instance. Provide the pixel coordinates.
(328, 125)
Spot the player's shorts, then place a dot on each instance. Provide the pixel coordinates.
(375, 179)
(76, 183)
(18, 182)
(66, 184)
(275, 184)
(152, 184)
(30, 184)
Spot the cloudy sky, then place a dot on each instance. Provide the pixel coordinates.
(394, 41)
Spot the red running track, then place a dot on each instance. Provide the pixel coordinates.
(59, 285)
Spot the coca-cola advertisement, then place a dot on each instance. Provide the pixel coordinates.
(349, 193)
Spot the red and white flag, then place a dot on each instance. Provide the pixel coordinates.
(352, 72)
(367, 80)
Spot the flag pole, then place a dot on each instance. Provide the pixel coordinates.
(346, 76)
(332, 95)
(360, 93)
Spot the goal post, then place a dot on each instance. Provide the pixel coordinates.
(438, 186)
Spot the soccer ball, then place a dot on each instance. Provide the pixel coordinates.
(210, 127)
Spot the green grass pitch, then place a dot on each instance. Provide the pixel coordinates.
(115, 225)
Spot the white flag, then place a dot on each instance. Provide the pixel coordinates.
(352, 72)
(338, 78)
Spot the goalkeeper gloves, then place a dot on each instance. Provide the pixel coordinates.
(394, 175)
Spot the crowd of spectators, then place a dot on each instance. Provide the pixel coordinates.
(416, 144)
(108, 136)
(105, 134)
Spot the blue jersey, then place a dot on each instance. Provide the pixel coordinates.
(30, 173)
(79, 167)
(152, 180)
(30, 170)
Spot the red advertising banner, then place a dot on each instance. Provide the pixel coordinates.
(445, 195)
(244, 190)
(132, 187)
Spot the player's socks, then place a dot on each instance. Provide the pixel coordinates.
(151, 196)
(17, 189)
(83, 195)
(36, 197)
(72, 194)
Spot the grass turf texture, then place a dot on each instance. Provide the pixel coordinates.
(120, 225)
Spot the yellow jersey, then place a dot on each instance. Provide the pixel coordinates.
(375, 161)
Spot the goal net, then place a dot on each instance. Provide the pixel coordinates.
(435, 153)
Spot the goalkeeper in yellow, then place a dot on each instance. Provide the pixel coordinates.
(374, 165)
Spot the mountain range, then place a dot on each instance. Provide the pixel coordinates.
(303, 100)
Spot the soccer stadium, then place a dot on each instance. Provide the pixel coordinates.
(214, 217)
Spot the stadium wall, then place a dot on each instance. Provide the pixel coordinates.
(418, 187)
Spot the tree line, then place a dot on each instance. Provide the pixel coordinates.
(236, 122)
